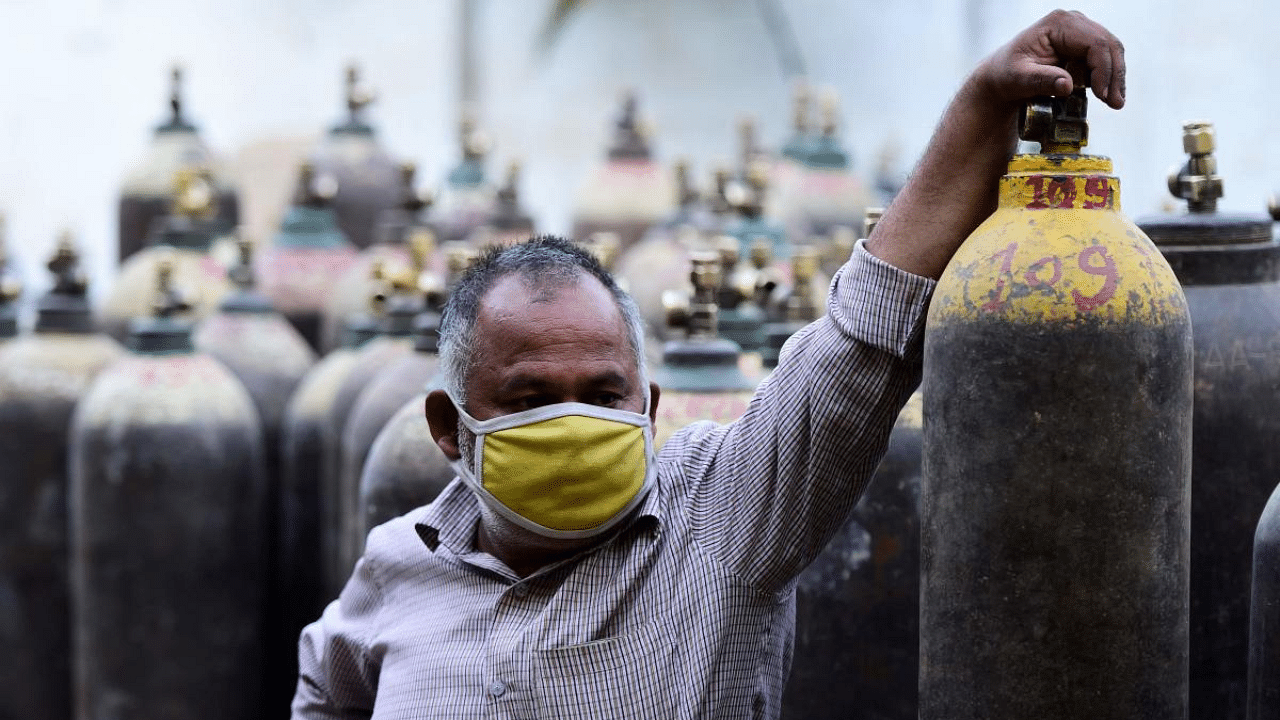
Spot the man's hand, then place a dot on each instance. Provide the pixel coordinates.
(1032, 63)
(953, 189)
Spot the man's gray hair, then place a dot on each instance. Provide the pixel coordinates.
(543, 260)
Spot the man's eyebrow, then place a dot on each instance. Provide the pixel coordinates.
(522, 381)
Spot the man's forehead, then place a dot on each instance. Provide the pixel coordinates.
(518, 292)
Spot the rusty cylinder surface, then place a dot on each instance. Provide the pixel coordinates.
(1057, 450)
(169, 516)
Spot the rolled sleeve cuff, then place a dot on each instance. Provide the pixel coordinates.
(879, 304)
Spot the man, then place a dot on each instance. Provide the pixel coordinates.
(569, 572)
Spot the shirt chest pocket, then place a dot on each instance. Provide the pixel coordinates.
(626, 676)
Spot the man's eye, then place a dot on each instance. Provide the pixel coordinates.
(608, 399)
(532, 401)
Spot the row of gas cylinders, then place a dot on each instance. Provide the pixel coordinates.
(172, 498)
(207, 491)
(353, 196)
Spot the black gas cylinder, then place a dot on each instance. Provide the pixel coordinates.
(405, 241)
(1055, 501)
(269, 356)
(309, 463)
(308, 257)
(42, 376)
(1229, 268)
(394, 341)
(368, 178)
(630, 191)
(168, 512)
(857, 643)
(148, 189)
(381, 398)
(405, 468)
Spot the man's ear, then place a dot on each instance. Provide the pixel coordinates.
(654, 392)
(442, 418)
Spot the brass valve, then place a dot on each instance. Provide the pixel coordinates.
(736, 285)
(422, 245)
(630, 134)
(69, 279)
(804, 266)
(1059, 124)
(748, 147)
(1198, 181)
(378, 277)
(509, 193)
(169, 300)
(193, 193)
(696, 314)
(746, 194)
(843, 239)
(765, 278)
(719, 201)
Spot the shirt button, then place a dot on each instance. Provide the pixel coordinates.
(520, 590)
(497, 688)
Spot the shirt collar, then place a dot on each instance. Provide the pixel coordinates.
(451, 518)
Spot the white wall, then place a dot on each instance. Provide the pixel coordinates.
(85, 80)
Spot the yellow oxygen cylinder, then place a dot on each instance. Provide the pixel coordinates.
(1057, 455)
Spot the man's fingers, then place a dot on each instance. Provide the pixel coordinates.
(1073, 35)
(1031, 79)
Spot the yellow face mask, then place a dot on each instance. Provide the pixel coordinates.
(568, 470)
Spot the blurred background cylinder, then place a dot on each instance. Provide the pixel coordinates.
(309, 466)
(148, 189)
(367, 176)
(1057, 449)
(381, 398)
(629, 192)
(308, 257)
(188, 237)
(1229, 267)
(857, 643)
(405, 468)
(269, 357)
(701, 375)
(42, 377)
(168, 507)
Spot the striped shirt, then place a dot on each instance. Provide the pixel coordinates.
(688, 611)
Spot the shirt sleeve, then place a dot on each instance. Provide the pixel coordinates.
(764, 494)
(337, 668)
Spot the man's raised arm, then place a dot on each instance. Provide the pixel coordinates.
(767, 492)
